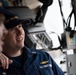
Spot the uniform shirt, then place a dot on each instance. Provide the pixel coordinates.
(34, 62)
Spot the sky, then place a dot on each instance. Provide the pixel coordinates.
(53, 19)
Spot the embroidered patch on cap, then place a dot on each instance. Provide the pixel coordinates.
(3, 73)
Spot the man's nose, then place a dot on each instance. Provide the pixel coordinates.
(5, 31)
(18, 31)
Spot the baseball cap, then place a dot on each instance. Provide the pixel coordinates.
(13, 21)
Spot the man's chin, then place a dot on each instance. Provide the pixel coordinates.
(20, 45)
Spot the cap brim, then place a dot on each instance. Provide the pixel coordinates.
(16, 22)
(6, 12)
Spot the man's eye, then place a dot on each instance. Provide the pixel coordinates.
(11, 29)
(20, 25)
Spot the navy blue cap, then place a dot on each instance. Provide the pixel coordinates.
(6, 12)
(13, 21)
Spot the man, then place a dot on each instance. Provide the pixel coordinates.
(26, 61)
(3, 13)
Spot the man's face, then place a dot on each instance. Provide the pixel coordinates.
(15, 38)
(3, 30)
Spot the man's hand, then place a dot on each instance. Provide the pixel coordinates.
(4, 61)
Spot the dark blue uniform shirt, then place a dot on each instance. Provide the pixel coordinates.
(32, 62)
